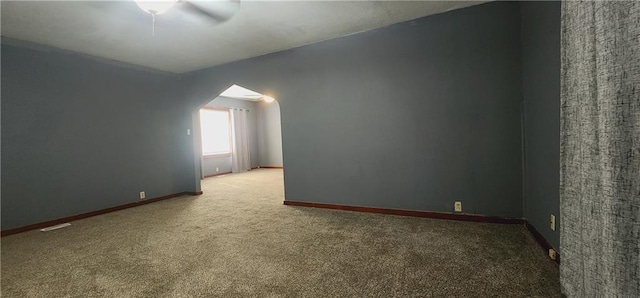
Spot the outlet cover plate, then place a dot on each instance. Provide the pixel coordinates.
(457, 206)
(552, 254)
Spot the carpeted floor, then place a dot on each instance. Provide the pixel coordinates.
(239, 240)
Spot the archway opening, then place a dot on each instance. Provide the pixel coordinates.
(238, 131)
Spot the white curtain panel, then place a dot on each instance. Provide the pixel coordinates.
(240, 160)
(600, 149)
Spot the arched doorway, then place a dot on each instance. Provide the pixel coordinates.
(219, 135)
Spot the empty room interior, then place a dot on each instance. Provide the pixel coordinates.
(320, 149)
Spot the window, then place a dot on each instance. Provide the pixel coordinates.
(215, 132)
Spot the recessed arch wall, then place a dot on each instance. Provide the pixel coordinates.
(269, 127)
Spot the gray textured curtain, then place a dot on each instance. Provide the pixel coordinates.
(600, 149)
(240, 152)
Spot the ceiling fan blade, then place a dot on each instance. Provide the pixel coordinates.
(219, 11)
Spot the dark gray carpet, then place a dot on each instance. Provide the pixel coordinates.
(238, 240)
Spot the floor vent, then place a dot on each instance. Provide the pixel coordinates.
(51, 228)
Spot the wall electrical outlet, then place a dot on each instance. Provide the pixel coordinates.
(552, 254)
(553, 222)
(188, 132)
(457, 206)
(142, 195)
(217, 169)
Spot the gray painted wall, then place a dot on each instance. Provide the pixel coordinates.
(223, 164)
(80, 135)
(414, 116)
(541, 92)
(269, 134)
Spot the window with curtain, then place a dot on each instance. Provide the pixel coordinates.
(216, 132)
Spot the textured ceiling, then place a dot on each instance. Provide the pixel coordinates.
(120, 31)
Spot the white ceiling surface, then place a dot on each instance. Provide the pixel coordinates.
(120, 31)
(242, 93)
